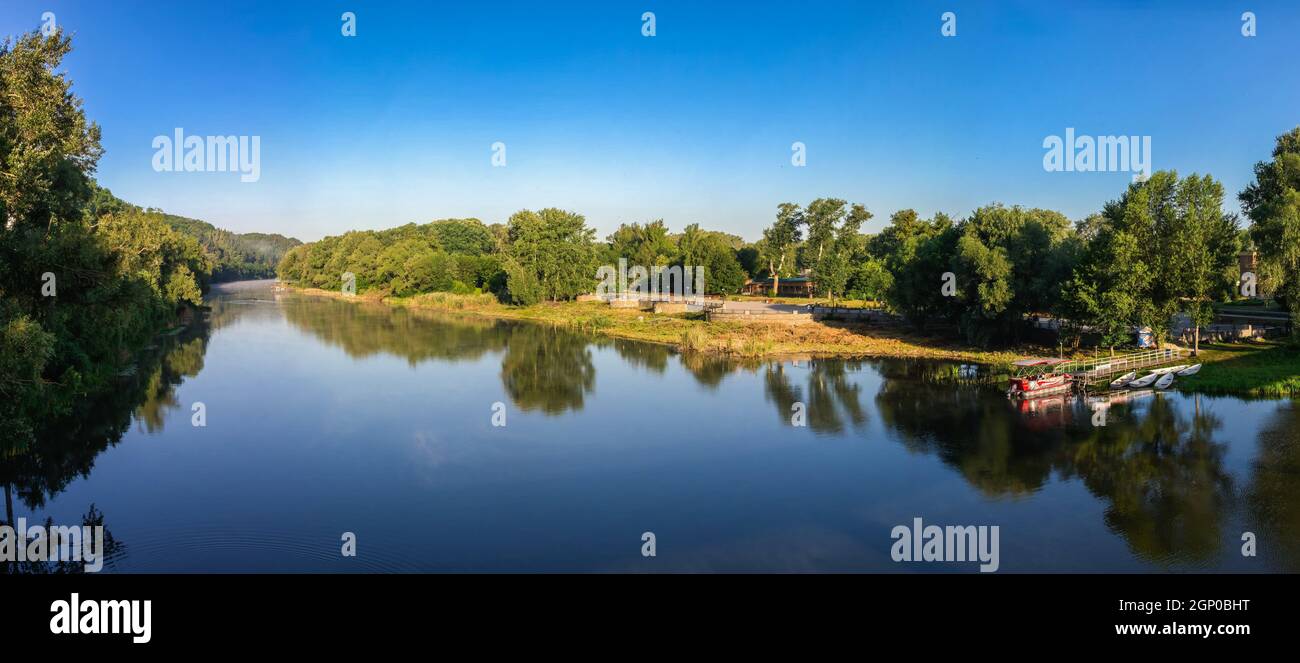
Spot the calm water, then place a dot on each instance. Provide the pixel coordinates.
(326, 417)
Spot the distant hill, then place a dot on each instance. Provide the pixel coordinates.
(235, 256)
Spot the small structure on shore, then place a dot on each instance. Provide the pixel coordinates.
(794, 286)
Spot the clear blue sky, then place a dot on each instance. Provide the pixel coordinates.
(693, 125)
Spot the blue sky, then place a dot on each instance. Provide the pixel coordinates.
(694, 124)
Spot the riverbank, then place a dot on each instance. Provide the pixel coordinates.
(1259, 369)
(690, 332)
(1250, 369)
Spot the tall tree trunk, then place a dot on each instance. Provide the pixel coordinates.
(1196, 339)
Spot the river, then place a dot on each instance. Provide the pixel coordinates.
(323, 417)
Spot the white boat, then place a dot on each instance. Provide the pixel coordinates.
(1122, 380)
(1168, 369)
(1144, 381)
(1189, 371)
(1164, 381)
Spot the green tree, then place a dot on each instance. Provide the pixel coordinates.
(841, 244)
(1203, 250)
(84, 279)
(722, 272)
(555, 248)
(1107, 287)
(646, 244)
(781, 240)
(917, 253)
(1010, 262)
(822, 219)
(1272, 202)
(462, 236)
(1164, 245)
(869, 280)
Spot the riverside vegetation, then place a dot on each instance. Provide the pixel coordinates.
(1164, 247)
(85, 278)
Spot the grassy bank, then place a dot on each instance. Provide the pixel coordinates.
(689, 331)
(1250, 369)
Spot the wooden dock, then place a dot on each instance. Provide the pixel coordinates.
(1100, 368)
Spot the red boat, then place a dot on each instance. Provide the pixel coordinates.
(1036, 377)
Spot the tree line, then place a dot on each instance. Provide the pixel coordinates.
(1164, 247)
(544, 255)
(235, 256)
(80, 286)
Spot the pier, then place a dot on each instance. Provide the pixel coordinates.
(1098, 368)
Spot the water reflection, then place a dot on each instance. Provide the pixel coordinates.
(1159, 466)
(66, 446)
(1160, 472)
(1163, 476)
(365, 329)
(547, 369)
(1274, 492)
(827, 395)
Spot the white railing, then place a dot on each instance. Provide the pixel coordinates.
(1120, 364)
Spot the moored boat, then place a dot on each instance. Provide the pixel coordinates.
(1164, 381)
(1189, 371)
(1034, 377)
(1169, 369)
(1144, 381)
(1121, 381)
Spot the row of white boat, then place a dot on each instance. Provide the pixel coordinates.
(1162, 377)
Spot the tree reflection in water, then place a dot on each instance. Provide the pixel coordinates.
(1273, 496)
(66, 446)
(547, 369)
(1157, 465)
(829, 396)
(1160, 473)
(543, 368)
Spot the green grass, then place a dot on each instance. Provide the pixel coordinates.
(1249, 305)
(1248, 369)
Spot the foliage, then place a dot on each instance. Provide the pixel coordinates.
(780, 242)
(1164, 246)
(554, 254)
(1272, 202)
(84, 278)
(1010, 262)
(402, 261)
(917, 253)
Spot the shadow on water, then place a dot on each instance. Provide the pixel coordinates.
(65, 447)
(543, 368)
(1157, 465)
(1274, 493)
(1159, 472)
(820, 393)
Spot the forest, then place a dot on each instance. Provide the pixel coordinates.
(547, 255)
(1164, 247)
(235, 256)
(81, 285)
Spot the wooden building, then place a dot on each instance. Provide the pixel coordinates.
(794, 286)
